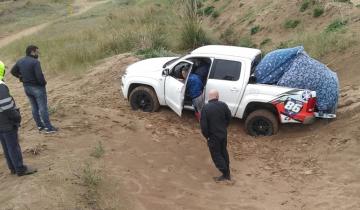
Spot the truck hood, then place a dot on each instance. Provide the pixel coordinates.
(148, 66)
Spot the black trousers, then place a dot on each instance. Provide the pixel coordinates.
(12, 151)
(219, 154)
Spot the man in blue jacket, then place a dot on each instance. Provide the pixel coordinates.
(10, 119)
(28, 70)
(194, 90)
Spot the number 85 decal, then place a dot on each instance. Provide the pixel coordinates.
(291, 106)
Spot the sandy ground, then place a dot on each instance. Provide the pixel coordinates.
(160, 161)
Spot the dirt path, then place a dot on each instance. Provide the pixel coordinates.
(159, 161)
(80, 7)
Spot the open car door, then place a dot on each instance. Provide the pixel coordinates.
(175, 87)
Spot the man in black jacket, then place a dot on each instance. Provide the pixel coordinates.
(10, 119)
(28, 70)
(215, 118)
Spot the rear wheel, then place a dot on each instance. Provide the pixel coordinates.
(261, 123)
(144, 98)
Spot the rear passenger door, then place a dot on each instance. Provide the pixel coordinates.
(226, 77)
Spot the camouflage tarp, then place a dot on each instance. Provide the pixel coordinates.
(292, 67)
(308, 73)
(275, 64)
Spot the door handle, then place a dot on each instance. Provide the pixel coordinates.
(234, 89)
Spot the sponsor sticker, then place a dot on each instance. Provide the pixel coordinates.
(293, 107)
(306, 95)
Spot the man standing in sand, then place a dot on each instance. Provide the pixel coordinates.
(10, 119)
(28, 70)
(215, 118)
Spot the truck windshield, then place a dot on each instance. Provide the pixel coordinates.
(173, 60)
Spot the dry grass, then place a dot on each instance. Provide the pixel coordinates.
(98, 151)
(66, 47)
(148, 29)
(18, 15)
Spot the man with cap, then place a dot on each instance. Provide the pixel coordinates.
(215, 118)
(10, 119)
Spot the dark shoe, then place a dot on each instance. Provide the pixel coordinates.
(28, 171)
(221, 178)
(12, 172)
(50, 130)
(41, 129)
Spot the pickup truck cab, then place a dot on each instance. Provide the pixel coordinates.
(153, 82)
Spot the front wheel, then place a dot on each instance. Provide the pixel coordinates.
(261, 123)
(144, 98)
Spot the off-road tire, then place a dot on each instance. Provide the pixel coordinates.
(144, 98)
(261, 123)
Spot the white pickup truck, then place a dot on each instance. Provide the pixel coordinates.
(149, 83)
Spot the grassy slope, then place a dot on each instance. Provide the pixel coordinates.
(339, 48)
(270, 16)
(18, 15)
(115, 27)
(154, 27)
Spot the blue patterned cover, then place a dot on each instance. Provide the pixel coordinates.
(308, 73)
(275, 64)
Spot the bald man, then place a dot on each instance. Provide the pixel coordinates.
(215, 118)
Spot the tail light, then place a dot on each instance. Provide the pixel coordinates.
(311, 105)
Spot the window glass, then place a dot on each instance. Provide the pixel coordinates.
(225, 70)
(176, 71)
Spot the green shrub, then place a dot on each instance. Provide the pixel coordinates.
(318, 11)
(336, 25)
(215, 14)
(344, 1)
(291, 23)
(91, 177)
(193, 36)
(265, 41)
(246, 42)
(358, 5)
(156, 36)
(304, 5)
(209, 10)
(98, 151)
(255, 29)
(154, 53)
(285, 44)
(229, 36)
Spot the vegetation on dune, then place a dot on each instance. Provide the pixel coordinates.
(291, 24)
(166, 28)
(320, 44)
(192, 33)
(17, 15)
(318, 11)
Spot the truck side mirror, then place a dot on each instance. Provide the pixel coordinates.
(165, 72)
